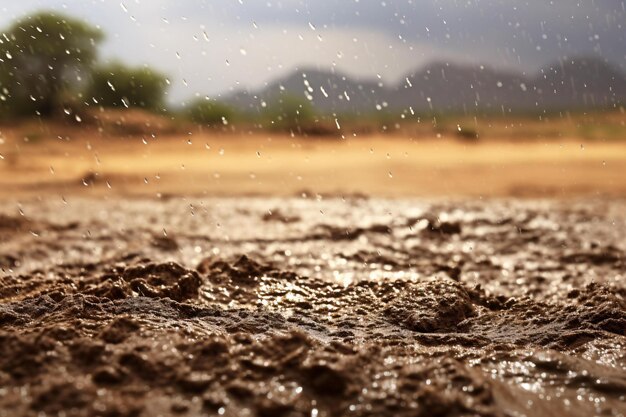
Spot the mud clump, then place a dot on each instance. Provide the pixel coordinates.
(334, 233)
(165, 243)
(163, 280)
(241, 270)
(601, 307)
(431, 307)
(120, 329)
(8, 261)
(13, 225)
(276, 215)
(443, 228)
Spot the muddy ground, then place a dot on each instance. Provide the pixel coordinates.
(312, 306)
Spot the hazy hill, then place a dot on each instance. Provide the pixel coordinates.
(574, 84)
(584, 82)
(327, 91)
(443, 86)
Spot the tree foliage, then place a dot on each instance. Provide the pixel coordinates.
(44, 59)
(117, 85)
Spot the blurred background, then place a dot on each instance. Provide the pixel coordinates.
(473, 98)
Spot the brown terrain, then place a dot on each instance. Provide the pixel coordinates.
(380, 275)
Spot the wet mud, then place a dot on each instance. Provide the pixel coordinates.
(312, 307)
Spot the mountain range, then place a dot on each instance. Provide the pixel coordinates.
(579, 83)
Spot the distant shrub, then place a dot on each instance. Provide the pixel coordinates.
(117, 85)
(467, 134)
(209, 112)
(291, 113)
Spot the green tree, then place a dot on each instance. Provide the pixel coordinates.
(44, 60)
(209, 112)
(117, 85)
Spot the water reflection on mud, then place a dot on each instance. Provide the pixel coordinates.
(324, 307)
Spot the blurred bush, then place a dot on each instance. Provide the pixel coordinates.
(209, 112)
(291, 113)
(44, 59)
(117, 85)
(467, 134)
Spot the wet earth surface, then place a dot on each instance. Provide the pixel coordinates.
(312, 307)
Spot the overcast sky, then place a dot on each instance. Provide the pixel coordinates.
(210, 47)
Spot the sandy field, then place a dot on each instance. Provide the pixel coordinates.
(509, 160)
